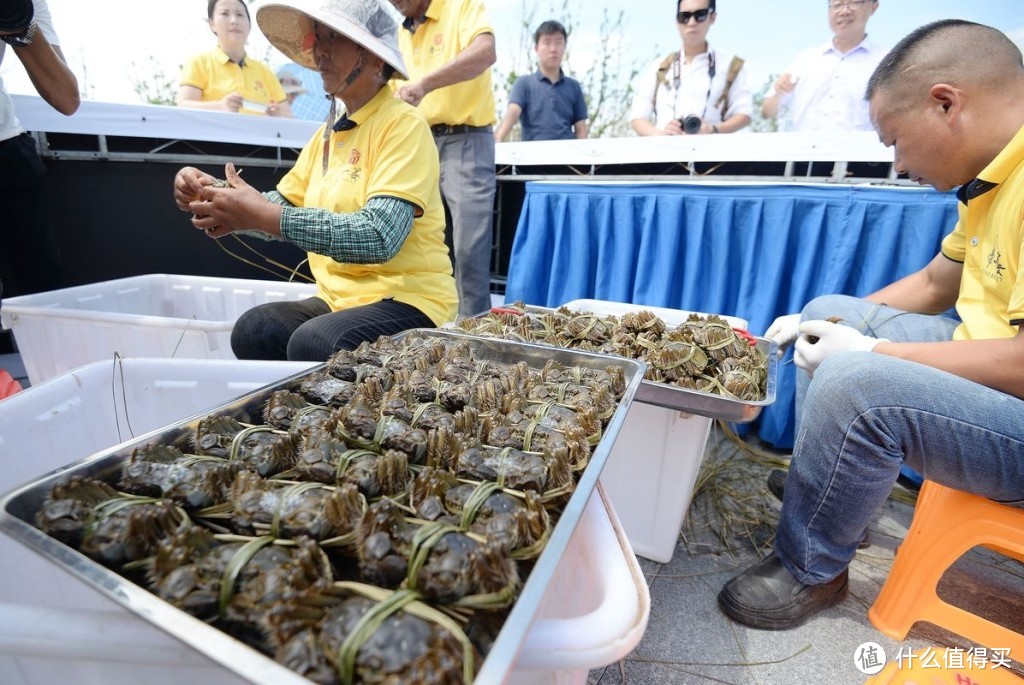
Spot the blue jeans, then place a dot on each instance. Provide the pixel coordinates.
(468, 185)
(876, 320)
(864, 416)
(308, 330)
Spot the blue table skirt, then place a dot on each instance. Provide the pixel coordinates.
(752, 251)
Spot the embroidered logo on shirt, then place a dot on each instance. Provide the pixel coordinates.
(353, 156)
(994, 267)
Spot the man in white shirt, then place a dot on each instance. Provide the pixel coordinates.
(695, 90)
(823, 88)
(29, 258)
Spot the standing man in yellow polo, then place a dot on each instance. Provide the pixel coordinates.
(448, 48)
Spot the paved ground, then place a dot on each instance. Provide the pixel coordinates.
(689, 641)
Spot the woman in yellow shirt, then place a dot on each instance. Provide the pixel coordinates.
(226, 78)
(362, 199)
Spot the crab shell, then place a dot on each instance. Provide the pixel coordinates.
(403, 649)
(105, 525)
(164, 471)
(291, 510)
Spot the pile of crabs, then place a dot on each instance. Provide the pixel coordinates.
(704, 353)
(378, 525)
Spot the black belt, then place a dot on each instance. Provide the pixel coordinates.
(448, 129)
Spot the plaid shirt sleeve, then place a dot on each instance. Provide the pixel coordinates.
(372, 235)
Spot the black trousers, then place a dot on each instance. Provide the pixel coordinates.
(308, 330)
(30, 259)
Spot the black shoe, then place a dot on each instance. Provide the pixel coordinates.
(777, 483)
(777, 486)
(767, 596)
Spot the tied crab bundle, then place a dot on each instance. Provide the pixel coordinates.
(359, 366)
(231, 581)
(584, 331)
(324, 389)
(716, 336)
(348, 633)
(326, 458)
(544, 428)
(360, 425)
(576, 397)
(613, 376)
(289, 510)
(106, 525)
(290, 411)
(547, 473)
(516, 521)
(192, 481)
(678, 358)
(260, 448)
(403, 403)
(443, 564)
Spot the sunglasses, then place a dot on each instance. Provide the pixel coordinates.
(700, 15)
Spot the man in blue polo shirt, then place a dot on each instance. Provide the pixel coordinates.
(549, 103)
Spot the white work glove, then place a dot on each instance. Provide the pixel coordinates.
(783, 331)
(832, 339)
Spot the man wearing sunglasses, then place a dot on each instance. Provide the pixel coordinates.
(823, 88)
(696, 89)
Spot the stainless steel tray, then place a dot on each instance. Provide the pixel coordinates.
(714, 406)
(683, 399)
(18, 509)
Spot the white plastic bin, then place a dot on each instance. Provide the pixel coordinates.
(650, 475)
(157, 315)
(654, 463)
(56, 628)
(97, 406)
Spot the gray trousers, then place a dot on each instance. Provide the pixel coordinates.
(467, 186)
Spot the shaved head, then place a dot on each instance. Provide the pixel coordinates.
(952, 51)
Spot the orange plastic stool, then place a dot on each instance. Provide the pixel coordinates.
(947, 523)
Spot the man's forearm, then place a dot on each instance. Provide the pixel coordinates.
(50, 75)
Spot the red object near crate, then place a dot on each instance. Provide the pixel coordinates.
(8, 386)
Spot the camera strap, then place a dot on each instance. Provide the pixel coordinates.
(673, 61)
(723, 100)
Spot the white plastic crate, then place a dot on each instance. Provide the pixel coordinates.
(654, 463)
(157, 315)
(650, 475)
(55, 628)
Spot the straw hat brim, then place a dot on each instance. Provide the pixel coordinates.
(288, 25)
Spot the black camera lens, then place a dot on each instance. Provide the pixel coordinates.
(691, 124)
(16, 14)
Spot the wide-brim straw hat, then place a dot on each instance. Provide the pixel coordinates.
(288, 25)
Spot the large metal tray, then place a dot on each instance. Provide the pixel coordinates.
(18, 509)
(676, 398)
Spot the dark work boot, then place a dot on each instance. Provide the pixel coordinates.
(767, 596)
(777, 486)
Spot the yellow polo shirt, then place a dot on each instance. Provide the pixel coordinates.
(450, 27)
(390, 152)
(988, 240)
(217, 76)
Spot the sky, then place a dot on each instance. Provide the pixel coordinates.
(160, 35)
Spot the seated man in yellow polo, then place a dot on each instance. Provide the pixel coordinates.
(362, 198)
